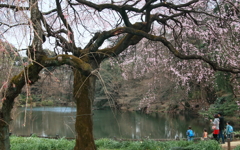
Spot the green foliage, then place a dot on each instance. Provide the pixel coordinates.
(107, 143)
(225, 102)
(34, 135)
(30, 143)
(222, 82)
(110, 78)
(196, 94)
(237, 148)
(22, 99)
(34, 98)
(156, 145)
(228, 108)
(208, 114)
(31, 98)
(47, 103)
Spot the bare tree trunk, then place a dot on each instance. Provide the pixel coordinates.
(14, 88)
(4, 136)
(83, 94)
(5, 119)
(5, 112)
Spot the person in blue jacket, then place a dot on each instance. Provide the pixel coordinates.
(229, 131)
(190, 134)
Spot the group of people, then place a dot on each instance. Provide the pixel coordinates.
(218, 127)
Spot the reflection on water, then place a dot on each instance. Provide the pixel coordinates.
(53, 109)
(49, 121)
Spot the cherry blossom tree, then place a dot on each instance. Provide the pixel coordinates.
(202, 32)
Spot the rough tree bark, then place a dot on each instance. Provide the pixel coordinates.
(83, 94)
(14, 88)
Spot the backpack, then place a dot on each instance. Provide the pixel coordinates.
(190, 133)
(230, 129)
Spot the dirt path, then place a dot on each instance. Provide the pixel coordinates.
(233, 144)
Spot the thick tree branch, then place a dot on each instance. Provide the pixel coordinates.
(148, 12)
(148, 3)
(168, 44)
(66, 24)
(96, 35)
(70, 60)
(101, 7)
(67, 46)
(49, 12)
(30, 75)
(125, 18)
(16, 8)
(70, 45)
(107, 34)
(36, 51)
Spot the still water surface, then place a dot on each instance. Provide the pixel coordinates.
(49, 121)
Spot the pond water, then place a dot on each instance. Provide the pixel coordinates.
(51, 121)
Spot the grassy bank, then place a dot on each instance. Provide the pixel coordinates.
(30, 143)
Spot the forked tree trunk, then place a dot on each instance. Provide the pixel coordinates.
(13, 90)
(83, 94)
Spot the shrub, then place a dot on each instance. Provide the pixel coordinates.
(237, 148)
(103, 144)
(30, 143)
(107, 143)
(47, 103)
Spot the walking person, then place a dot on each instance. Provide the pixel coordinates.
(190, 134)
(229, 131)
(205, 134)
(221, 127)
(215, 126)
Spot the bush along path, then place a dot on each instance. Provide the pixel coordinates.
(30, 143)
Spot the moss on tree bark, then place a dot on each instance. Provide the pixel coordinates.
(83, 95)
